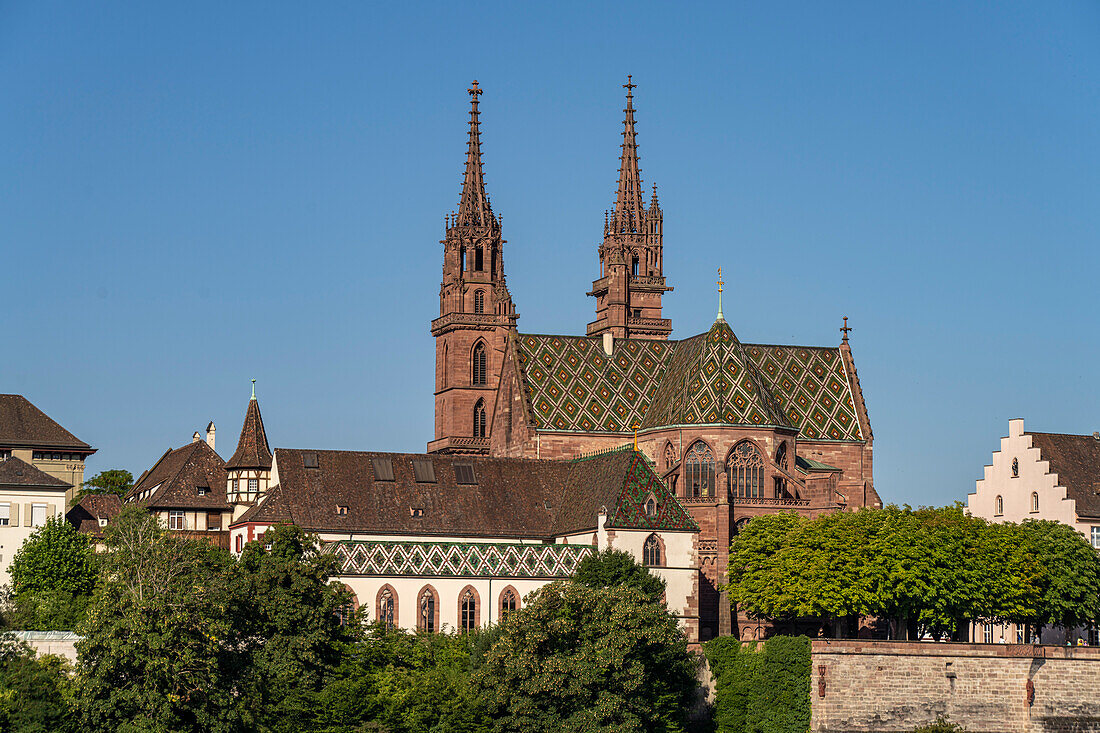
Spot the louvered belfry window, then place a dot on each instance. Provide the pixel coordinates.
(699, 470)
(480, 365)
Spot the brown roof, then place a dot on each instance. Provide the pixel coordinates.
(175, 480)
(24, 425)
(16, 472)
(1076, 460)
(87, 512)
(511, 497)
(252, 449)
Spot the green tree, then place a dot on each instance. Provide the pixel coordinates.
(32, 691)
(1063, 571)
(114, 481)
(611, 568)
(286, 614)
(53, 574)
(576, 658)
(157, 653)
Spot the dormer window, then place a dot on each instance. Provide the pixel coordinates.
(416, 511)
(103, 521)
(651, 507)
(203, 490)
(309, 460)
(342, 510)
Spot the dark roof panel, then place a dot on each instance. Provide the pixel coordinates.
(175, 480)
(15, 472)
(1076, 460)
(252, 448)
(22, 424)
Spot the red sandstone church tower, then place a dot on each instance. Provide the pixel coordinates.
(628, 293)
(475, 313)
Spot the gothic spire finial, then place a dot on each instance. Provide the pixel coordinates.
(720, 284)
(474, 208)
(629, 210)
(253, 389)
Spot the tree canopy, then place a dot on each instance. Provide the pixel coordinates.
(611, 568)
(53, 574)
(113, 481)
(925, 570)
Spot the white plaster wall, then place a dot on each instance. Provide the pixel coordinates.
(19, 528)
(578, 538)
(679, 571)
(1035, 476)
(408, 591)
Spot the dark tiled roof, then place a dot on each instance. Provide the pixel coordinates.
(512, 497)
(1076, 460)
(15, 472)
(24, 425)
(86, 513)
(571, 384)
(252, 449)
(175, 480)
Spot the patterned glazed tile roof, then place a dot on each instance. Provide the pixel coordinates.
(458, 559)
(812, 387)
(24, 425)
(572, 385)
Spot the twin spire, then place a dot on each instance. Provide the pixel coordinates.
(474, 208)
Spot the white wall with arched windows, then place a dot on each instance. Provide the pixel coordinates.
(1022, 482)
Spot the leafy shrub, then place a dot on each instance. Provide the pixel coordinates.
(941, 725)
(761, 688)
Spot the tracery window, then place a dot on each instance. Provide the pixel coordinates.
(508, 603)
(1015, 468)
(468, 612)
(386, 608)
(479, 419)
(781, 461)
(670, 456)
(699, 470)
(746, 471)
(480, 364)
(479, 301)
(651, 551)
(426, 620)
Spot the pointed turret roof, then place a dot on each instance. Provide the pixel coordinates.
(252, 448)
(629, 207)
(474, 208)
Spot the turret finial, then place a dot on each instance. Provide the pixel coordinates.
(720, 284)
(253, 389)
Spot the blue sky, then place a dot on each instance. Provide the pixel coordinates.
(195, 194)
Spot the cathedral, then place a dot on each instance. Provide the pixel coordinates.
(735, 430)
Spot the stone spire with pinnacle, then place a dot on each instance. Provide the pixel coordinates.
(628, 292)
(474, 208)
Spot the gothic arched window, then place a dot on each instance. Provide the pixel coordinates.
(1015, 468)
(746, 471)
(670, 456)
(386, 605)
(651, 551)
(480, 365)
(508, 603)
(479, 301)
(479, 419)
(634, 266)
(999, 505)
(468, 612)
(781, 461)
(426, 618)
(651, 507)
(1034, 501)
(346, 612)
(699, 469)
(462, 259)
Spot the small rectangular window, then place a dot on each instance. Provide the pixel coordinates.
(103, 521)
(240, 543)
(177, 520)
(423, 470)
(383, 469)
(204, 490)
(309, 460)
(5, 515)
(214, 521)
(253, 485)
(37, 456)
(38, 515)
(464, 473)
(1096, 537)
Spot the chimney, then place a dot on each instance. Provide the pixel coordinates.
(1096, 436)
(608, 343)
(210, 435)
(196, 437)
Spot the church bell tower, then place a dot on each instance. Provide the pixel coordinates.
(475, 313)
(628, 293)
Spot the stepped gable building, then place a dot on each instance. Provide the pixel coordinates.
(32, 436)
(735, 429)
(433, 540)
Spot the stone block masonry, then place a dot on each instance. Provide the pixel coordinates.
(892, 687)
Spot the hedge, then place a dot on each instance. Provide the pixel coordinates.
(761, 688)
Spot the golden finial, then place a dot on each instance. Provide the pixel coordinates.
(720, 284)
(635, 437)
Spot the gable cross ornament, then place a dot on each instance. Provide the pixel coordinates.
(845, 329)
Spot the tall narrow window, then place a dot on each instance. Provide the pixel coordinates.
(1015, 468)
(468, 612)
(479, 301)
(427, 610)
(746, 471)
(699, 469)
(999, 506)
(508, 603)
(670, 456)
(462, 259)
(385, 608)
(480, 365)
(479, 419)
(781, 462)
(651, 551)
(1034, 501)
(443, 366)
(479, 262)
(634, 268)
(346, 613)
